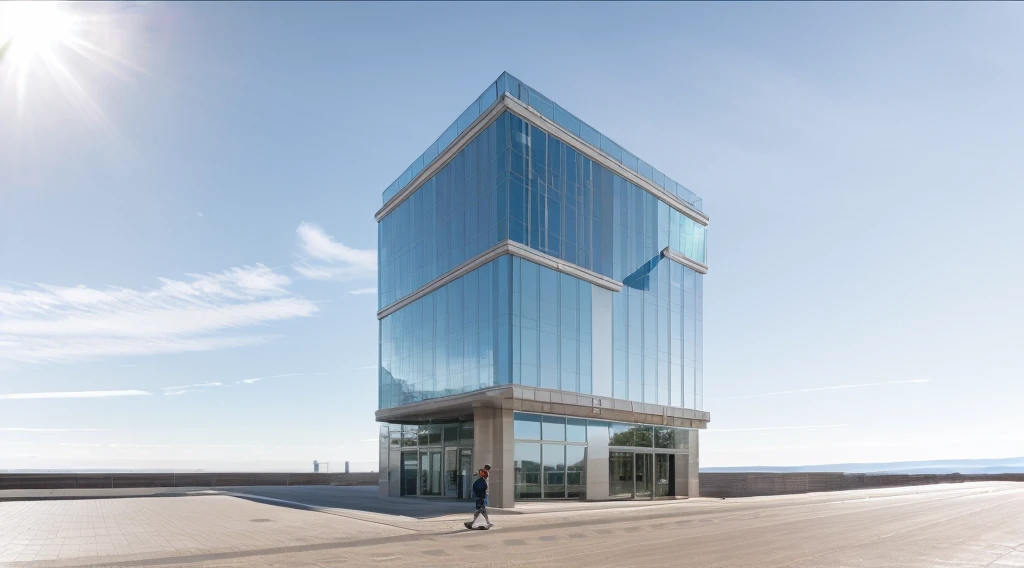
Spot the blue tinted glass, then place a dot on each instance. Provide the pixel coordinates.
(553, 428)
(589, 135)
(427, 354)
(567, 121)
(526, 426)
(542, 105)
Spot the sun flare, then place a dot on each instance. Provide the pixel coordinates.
(30, 30)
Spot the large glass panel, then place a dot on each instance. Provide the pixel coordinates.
(451, 434)
(620, 475)
(526, 426)
(528, 470)
(554, 471)
(576, 430)
(620, 435)
(664, 437)
(643, 436)
(466, 431)
(554, 429)
(576, 469)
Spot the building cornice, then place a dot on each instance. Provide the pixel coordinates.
(503, 248)
(686, 261)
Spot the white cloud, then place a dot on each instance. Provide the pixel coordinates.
(199, 214)
(258, 379)
(52, 430)
(198, 387)
(73, 394)
(327, 259)
(362, 291)
(773, 428)
(201, 313)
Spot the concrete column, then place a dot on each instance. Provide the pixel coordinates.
(601, 352)
(597, 461)
(493, 444)
(693, 482)
(682, 480)
(382, 469)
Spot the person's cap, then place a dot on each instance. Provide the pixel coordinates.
(487, 466)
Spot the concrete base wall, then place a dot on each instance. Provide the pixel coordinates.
(758, 484)
(134, 480)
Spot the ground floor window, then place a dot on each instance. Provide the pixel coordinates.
(550, 471)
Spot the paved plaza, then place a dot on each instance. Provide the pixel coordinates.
(976, 524)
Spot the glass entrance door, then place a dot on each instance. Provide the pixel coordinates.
(644, 476)
(620, 475)
(465, 474)
(408, 474)
(430, 472)
(451, 472)
(664, 475)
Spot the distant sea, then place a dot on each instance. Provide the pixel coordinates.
(1005, 465)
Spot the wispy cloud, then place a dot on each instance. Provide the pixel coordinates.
(258, 379)
(362, 291)
(369, 439)
(198, 214)
(198, 387)
(773, 428)
(72, 394)
(204, 312)
(53, 430)
(327, 259)
(818, 389)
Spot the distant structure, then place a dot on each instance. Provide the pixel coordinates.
(316, 466)
(540, 310)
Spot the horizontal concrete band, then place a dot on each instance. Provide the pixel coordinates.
(506, 102)
(9, 481)
(740, 484)
(545, 401)
(501, 249)
(686, 261)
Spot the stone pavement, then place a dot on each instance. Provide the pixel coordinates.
(970, 524)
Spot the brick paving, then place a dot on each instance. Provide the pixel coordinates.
(135, 529)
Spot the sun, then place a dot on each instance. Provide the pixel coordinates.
(30, 30)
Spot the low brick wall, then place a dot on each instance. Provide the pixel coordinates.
(756, 484)
(137, 480)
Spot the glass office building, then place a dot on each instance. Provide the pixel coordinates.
(540, 307)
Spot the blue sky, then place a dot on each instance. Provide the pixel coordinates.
(191, 203)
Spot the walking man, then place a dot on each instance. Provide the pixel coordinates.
(480, 492)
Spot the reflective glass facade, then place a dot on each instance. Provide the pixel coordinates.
(551, 329)
(508, 85)
(449, 341)
(514, 181)
(512, 321)
(657, 334)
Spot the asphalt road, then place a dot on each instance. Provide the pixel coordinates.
(952, 525)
